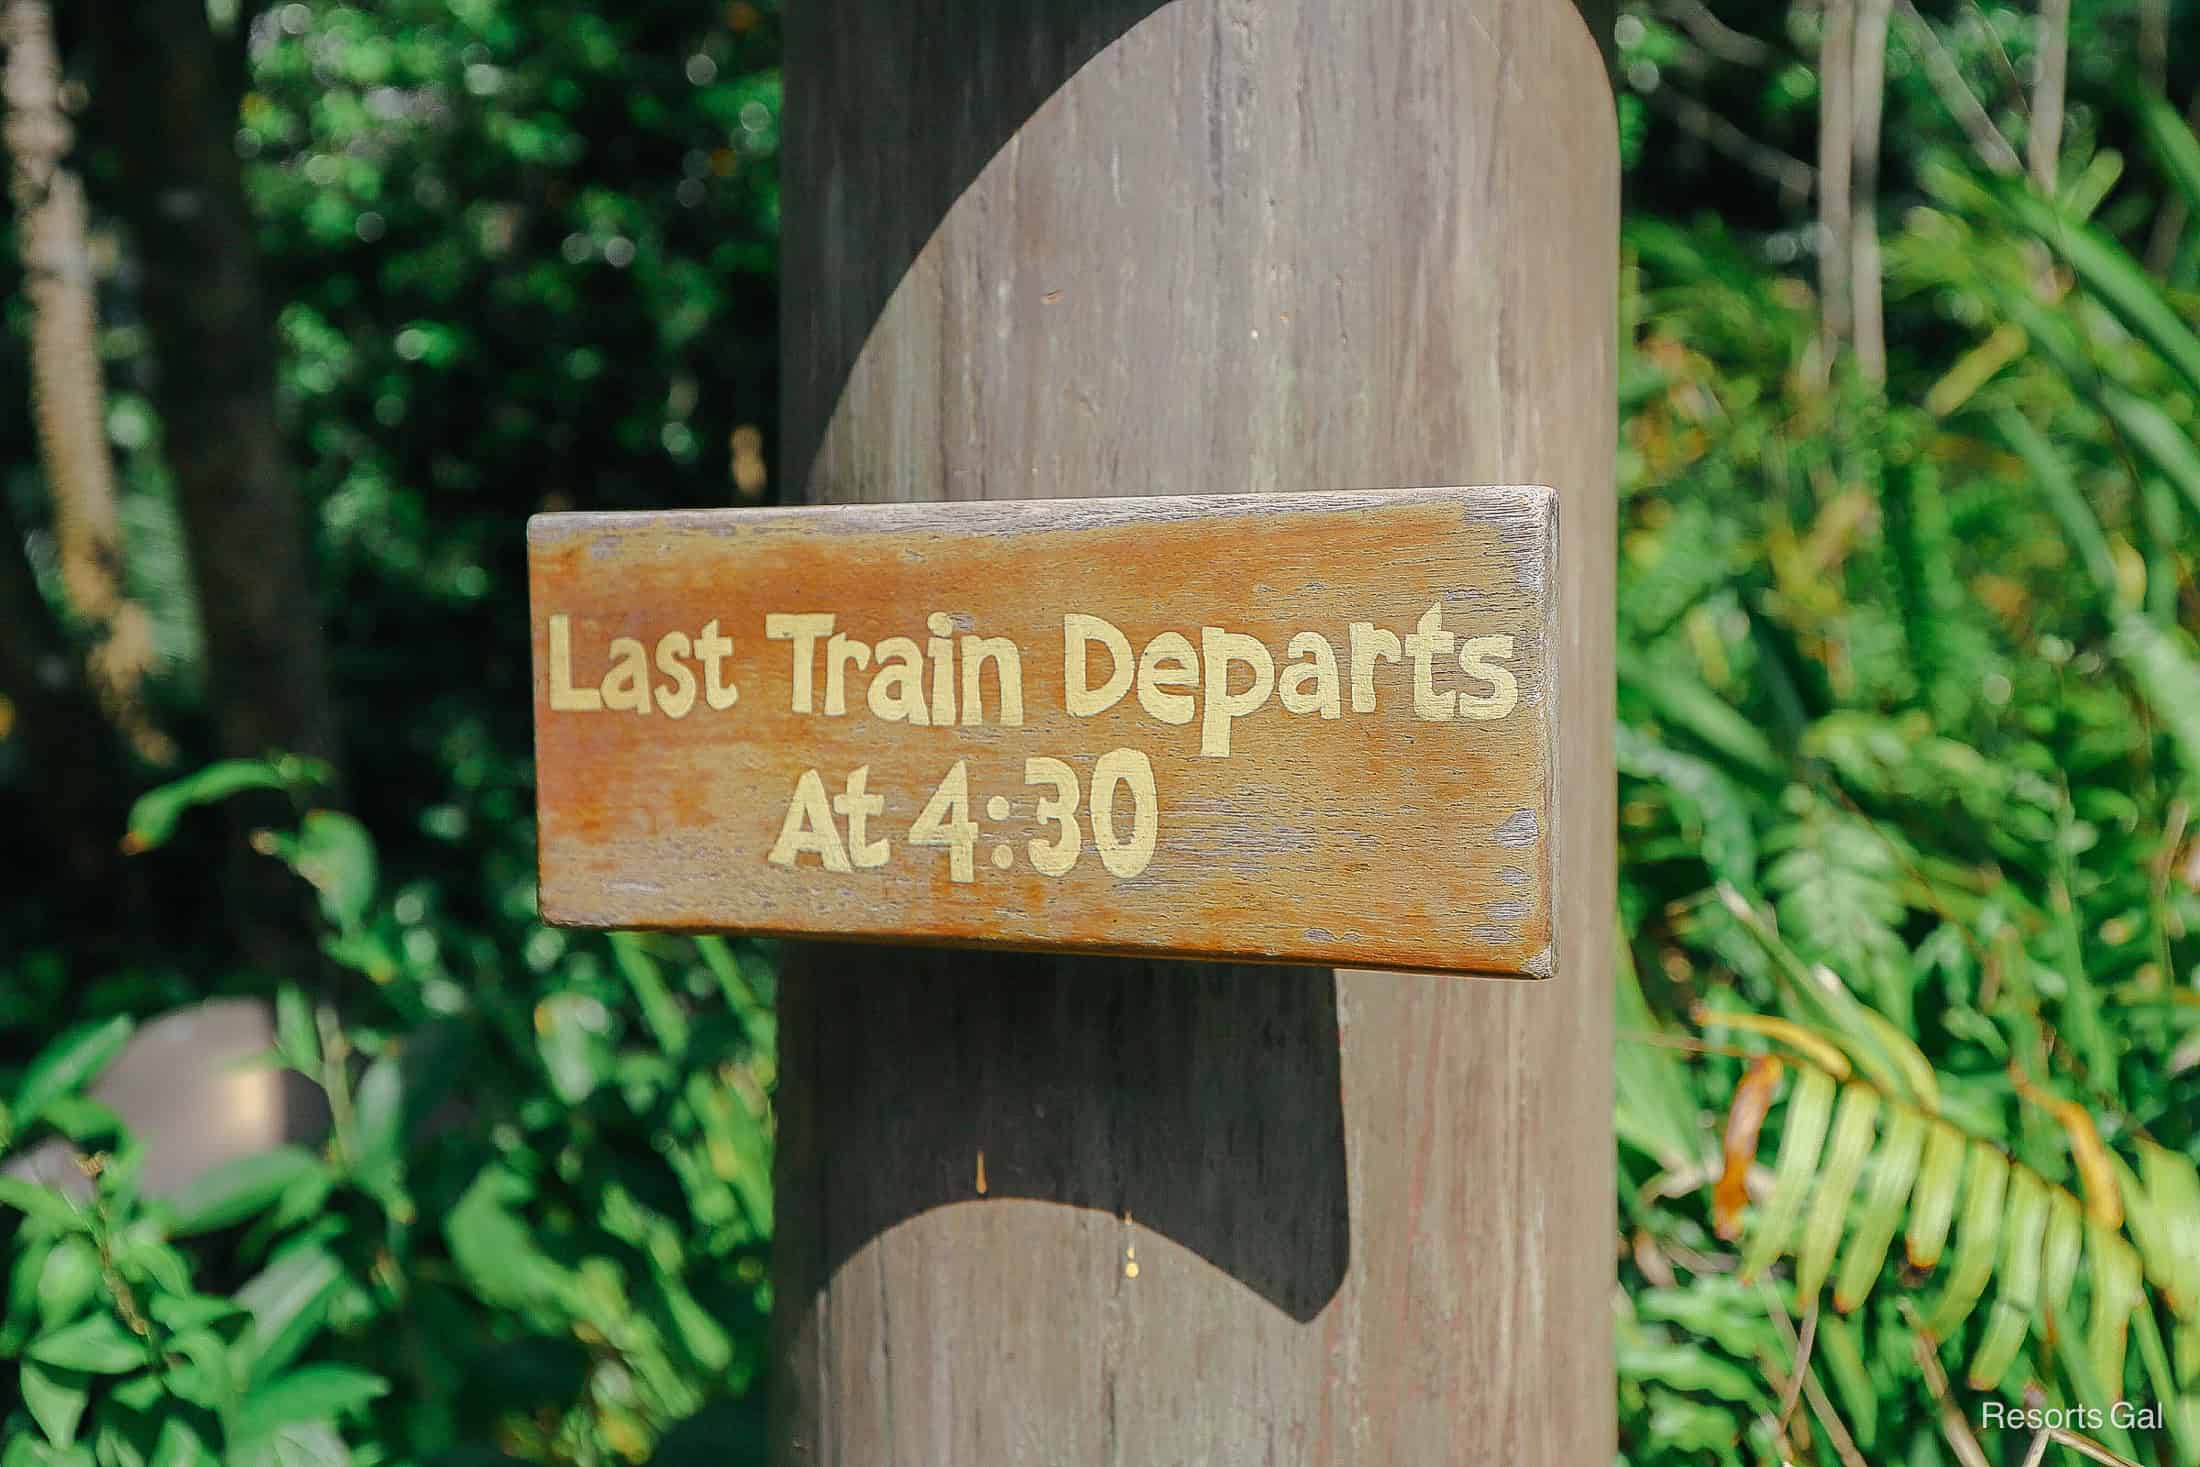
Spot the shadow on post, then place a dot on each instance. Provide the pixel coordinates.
(1203, 1101)
(945, 84)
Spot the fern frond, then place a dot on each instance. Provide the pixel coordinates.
(1985, 1182)
(2020, 1239)
(1808, 1116)
(1853, 1134)
(1892, 1179)
(1837, 887)
(1887, 1056)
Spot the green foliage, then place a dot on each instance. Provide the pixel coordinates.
(519, 257)
(564, 1261)
(1907, 782)
(1909, 748)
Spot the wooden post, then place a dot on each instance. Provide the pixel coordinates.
(1069, 1211)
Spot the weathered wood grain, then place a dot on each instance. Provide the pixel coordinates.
(1038, 247)
(1309, 727)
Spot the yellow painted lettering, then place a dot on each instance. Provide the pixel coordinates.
(1168, 662)
(1474, 660)
(803, 629)
(1425, 643)
(712, 650)
(626, 685)
(564, 697)
(1369, 642)
(840, 655)
(677, 700)
(1219, 649)
(897, 690)
(1008, 668)
(1320, 669)
(859, 805)
(1078, 695)
(809, 828)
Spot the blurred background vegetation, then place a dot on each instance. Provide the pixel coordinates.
(309, 304)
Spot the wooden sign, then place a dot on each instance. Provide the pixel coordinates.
(1306, 728)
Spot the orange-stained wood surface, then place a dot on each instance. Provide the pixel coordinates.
(1322, 724)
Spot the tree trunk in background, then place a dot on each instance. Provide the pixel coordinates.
(2043, 143)
(73, 788)
(1865, 295)
(65, 381)
(1836, 154)
(163, 90)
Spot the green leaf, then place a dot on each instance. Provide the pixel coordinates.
(1933, 1201)
(1655, 1106)
(1838, 887)
(1809, 1112)
(154, 817)
(2085, 1385)
(1718, 1308)
(300, 1444)
(1894, 1169)
(2052, 477)
(2157, 436)
(739, 1151)
(296, 1033)
(2173, 1187)
(2017, 1295)
(302, 1199)
(138, 1394)
(2121, 283)
(97, 1344)
(2116, 1295)
(1712, 808)
(1853, 1134)
(2168, 677)
(757, 1019)
(238, 1190)
(179, 1446)
(1842, 1355)
(336, 855)
(41, 1202)
(1986, 1181)
(68, 1282)
(2160, 1378)
(289, 1301)
(24, 1273)
(496, 1250)
(377, 1133)
(2174, 145)
(573, 1037)
(1826, 1001)
(204, 1375)
(1688, 1369)
(83, 1120)
(56, 1399)
(660, 1011)
(2059, 1257)
(67, 1064)
(1682, 702)
(183, 1312)
(1920, 1081)
(311, 1393)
